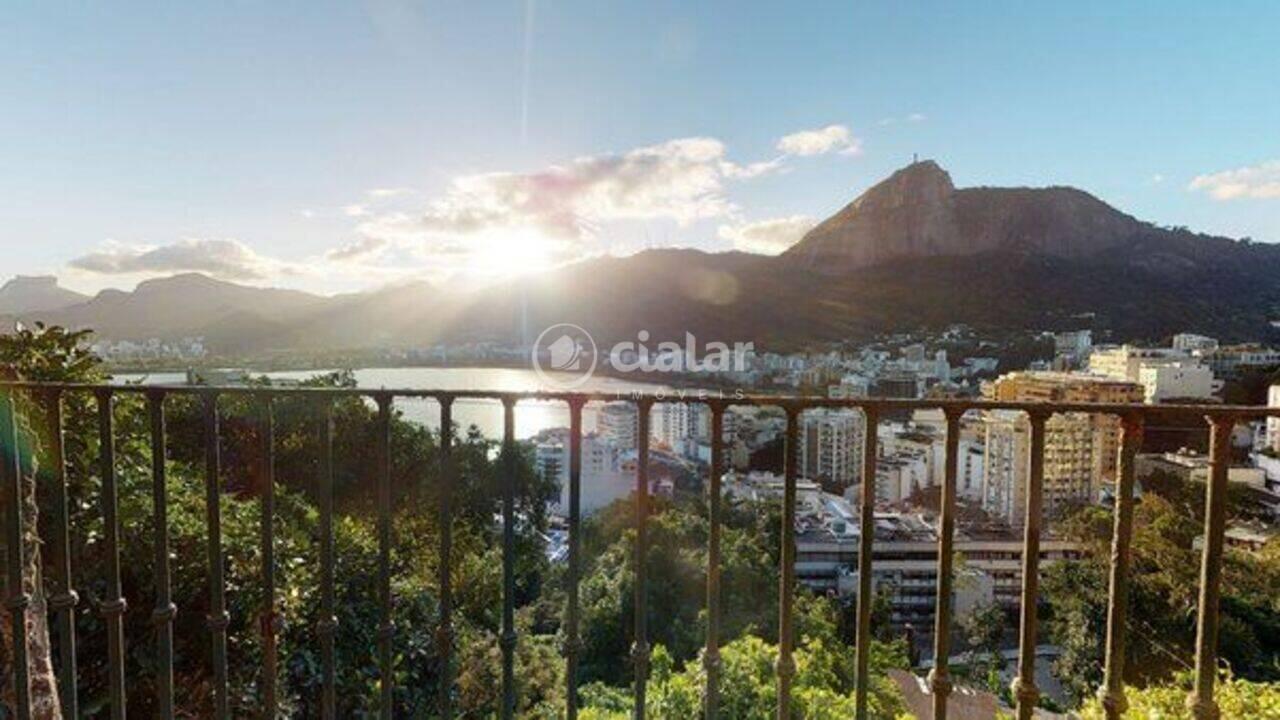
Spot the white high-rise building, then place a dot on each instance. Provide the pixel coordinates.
(1174, 381)
(831, 445)
(675, 424)
(941, 368)
(551, 461)
(619, 422)
(1003, 496)
(1070, 462)
(1189, 342)
(1273, 423)
(901, 474)
(1125, 362)
(1075, 346)
(970, 469)
(602, 478)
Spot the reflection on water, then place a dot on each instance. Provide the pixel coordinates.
(531, 417)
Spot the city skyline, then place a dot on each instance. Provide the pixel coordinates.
(349, 147)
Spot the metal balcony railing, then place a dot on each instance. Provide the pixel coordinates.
(1221, 420)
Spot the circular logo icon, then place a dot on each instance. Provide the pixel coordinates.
(564, 356)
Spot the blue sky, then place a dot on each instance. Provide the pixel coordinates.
(338, 146)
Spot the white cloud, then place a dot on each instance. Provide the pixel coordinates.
(499, 223)
(228, 259)
(831, 138)
(362, 250)
(388, 192)
(1256, 182)
(355, 210)
(680, 180)
(911, 118)
(395, 226)
(752, 170)
(768, 237)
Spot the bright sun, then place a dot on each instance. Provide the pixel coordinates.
(510, 253)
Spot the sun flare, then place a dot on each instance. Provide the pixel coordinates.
(511, 253)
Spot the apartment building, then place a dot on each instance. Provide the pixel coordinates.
(905, 565)
(619, 422)
(1177, 381)
(831, 445)
(1190, 342)
(1080, 449)
(603, 478)
(1124, 362)
(1232, 359)
(1273, 423)
(674, 424)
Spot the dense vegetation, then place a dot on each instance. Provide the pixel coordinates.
(1168, 518)
(676, 566)
(1237, 698)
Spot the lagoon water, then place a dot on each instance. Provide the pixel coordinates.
(531, 417)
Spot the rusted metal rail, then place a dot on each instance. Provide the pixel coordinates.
(63, 600)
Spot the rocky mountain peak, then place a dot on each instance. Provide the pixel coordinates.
(35, 293)
(909, 213)
(30, 282)
(918, 212)
(920, 183)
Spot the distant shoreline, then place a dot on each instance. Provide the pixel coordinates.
(672, 380)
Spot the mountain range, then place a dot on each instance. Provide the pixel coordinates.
(912, 251)
(35, 294)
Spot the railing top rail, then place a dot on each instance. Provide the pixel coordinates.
(708, 396)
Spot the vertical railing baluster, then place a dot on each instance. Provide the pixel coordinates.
(327, 627)
(640, 649)
(711, 657)
(1201, 702)
(64, 599)
(19, 599)
(163, 614)
(62, 602)
(444, 636)
(866, 540)
(573, 643)
(940, 676)
(1024, 688)
(386, 632)
(113, 606)
(786, 667)
(271, 619)
(1111, 694)
(508, 640)
(218, 619)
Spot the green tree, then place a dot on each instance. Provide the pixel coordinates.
(56, 355)
(44, 354)
(823, 687)
(1236, 698)
(983, 631)
(1164, 580)
(676, 567)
